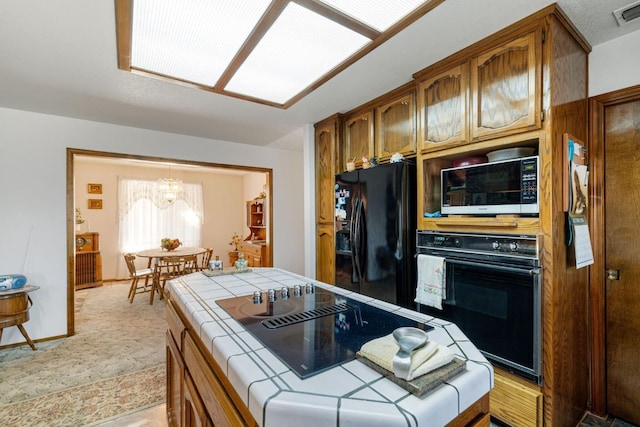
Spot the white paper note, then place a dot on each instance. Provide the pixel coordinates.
(582, 243)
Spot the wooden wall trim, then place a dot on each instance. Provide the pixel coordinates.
(597, 280)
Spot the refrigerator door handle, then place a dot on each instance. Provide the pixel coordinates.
(356, 216)
(353, 236)
(358, 238)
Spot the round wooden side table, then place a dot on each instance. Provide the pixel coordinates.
(14, 310)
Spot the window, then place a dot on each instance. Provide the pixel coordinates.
(145, 217)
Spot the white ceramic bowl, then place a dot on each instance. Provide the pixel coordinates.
(510, 153)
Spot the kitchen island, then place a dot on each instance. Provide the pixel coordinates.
(220, 374)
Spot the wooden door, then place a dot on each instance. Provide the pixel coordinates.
(622, 200)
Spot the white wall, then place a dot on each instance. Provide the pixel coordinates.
(615, 65)
(224, 205)
(33, 198)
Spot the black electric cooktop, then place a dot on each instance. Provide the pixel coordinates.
(312, 329)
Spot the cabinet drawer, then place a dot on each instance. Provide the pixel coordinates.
(250, 249)
(515, 402)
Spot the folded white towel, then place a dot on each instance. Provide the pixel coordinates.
(423, 360)
(431, 288)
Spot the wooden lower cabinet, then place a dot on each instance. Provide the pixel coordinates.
(255, 254)
(198, 394)
(195, 414)
(515, 401)
(325, 253)
(175, 382)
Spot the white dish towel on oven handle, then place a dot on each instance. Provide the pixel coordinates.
(431, 288)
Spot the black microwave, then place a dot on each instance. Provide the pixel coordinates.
(503, 187)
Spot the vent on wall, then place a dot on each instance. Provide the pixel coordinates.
(626, 14)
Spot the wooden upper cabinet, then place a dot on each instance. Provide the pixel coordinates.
(396, 127)
(505, 88)
(442, 109)
(358, 137)
(325, 152)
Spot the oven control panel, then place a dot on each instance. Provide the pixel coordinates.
(516, 245)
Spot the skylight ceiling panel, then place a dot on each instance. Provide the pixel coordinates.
(192, 40)
(378, 14)
(298, 49)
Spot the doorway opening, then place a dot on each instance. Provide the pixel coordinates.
(257, 180)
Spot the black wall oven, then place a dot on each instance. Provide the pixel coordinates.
(493, 294)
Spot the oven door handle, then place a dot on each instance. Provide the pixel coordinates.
(531, 271)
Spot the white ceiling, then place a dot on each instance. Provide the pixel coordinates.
(59, 57)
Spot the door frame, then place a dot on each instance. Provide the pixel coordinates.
(597, 278)
(70, 202)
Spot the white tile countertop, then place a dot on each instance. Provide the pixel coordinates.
(350, 394)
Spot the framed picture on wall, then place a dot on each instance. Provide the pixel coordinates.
(94, 188)
(95, 203)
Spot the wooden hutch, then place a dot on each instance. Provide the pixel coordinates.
(255, 247)
(525, 85)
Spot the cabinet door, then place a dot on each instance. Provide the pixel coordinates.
(325, 253)
(358, 137)
(396, 127)
(325, 170)
(505, 88)
(195, 414)
(175, 379)
(442, 109)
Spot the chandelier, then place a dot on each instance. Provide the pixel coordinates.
(169, 188)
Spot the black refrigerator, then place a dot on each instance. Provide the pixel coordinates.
(375, 232)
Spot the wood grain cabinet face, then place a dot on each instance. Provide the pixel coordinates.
(358, 137)
(442, 109)
(396, 127)
(325, 253)
(505, 88)
(325, 149)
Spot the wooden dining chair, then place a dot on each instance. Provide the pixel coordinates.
(190, 264)
(136, 274)
(206, 257)
(171, 267)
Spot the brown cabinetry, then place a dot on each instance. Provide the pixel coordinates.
(525, 85)
(88, 261)
(327, 161)
(505, 88)
(198, 395)
(358, 137)
(443, 108)
(255, 247)
(325, 253)
(254, 253)
(395, 127)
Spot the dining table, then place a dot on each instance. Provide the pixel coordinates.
(156, 254)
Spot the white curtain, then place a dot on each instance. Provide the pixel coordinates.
(145, 217)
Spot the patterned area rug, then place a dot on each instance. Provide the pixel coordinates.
(115, 364)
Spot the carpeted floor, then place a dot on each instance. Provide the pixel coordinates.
(115, 364)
